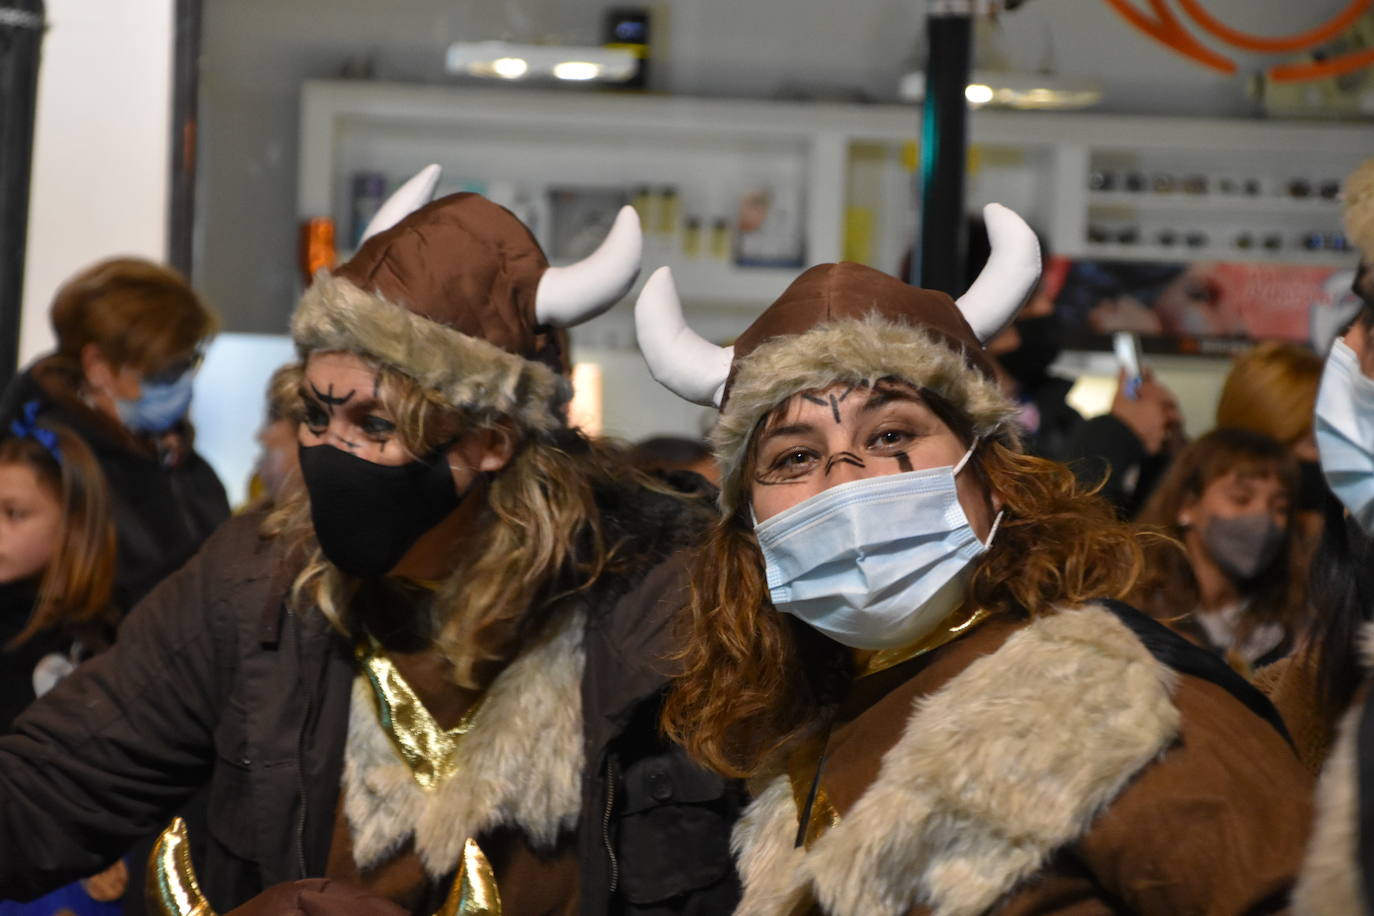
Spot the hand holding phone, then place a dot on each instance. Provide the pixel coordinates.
(1126, 346)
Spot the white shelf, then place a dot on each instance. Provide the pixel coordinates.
(853, 163)
(1112, 251)
(1184, 202)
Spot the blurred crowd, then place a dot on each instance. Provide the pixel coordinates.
(1243, 545)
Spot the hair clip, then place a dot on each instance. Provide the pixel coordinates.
(25, 426)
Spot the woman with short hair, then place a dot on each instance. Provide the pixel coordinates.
(130, 334)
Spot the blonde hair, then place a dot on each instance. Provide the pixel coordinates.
(1272, 389)
(752, 679)
(542, 537)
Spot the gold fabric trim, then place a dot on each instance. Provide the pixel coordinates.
(950, 629)
(804, 772)
(474, 889)
(427, 749)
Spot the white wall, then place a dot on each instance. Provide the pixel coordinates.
(101, 146)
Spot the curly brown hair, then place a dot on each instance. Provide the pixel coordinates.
(752, 680)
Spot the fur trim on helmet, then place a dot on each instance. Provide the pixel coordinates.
(471, 373)
(848, 351)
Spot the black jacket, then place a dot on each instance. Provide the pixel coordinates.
(214, 684)
(163, 513)
(17, 664)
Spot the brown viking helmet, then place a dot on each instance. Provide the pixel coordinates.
(845, 323)
(458, 295)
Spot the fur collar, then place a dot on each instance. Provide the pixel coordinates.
(1329, 884)
(1007, 763)
(520, 765)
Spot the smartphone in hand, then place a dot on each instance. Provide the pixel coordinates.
(1126, 346)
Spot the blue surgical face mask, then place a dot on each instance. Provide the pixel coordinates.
(876, 563)
(1344, 426)
(159, 406)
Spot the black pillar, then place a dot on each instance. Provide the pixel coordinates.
(21, 36)
(938, 256)
(185, 127)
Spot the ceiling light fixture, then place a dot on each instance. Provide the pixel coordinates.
(503, 60)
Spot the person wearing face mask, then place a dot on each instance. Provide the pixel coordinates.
(903, 630)
(1271, 389)
(129, 337)
(1333, 700)
(1239, 585)
(1123, 451)
(429, 680)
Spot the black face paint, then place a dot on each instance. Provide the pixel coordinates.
(844, 458)
(903, 461)
(368, 515)
(328, 399)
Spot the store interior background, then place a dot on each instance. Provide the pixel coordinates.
(101, 155)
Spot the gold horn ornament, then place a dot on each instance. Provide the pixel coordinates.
(171, 888)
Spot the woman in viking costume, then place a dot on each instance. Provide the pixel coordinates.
(903, 631)
(433, 678)
(1331, 698)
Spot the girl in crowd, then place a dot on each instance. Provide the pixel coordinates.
(901, 630)
(433, 676)
(57, 561)
(129, 337)
(1271, 389)
(1239, 584)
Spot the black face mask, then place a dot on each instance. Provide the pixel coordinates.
(1312, 487)
(368, 515)
(1040, 346)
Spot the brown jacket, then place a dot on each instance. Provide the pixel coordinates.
(1055, 766)
(1337, 878)
(215, 687)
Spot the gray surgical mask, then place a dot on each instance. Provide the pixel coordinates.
(1243, 546)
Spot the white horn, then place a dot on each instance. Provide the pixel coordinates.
(405, 200)
(678, 358)
(570, 295)
(1008, 279)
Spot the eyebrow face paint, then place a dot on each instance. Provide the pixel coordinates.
(328, 399)
(844, 458)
